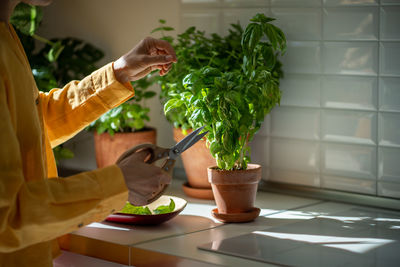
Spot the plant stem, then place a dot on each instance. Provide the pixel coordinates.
(33, 18)
(243, 145)
(211, 60)
(42, 39)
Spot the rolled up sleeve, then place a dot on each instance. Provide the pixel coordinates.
(68, 110)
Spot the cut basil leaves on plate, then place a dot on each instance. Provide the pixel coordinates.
(144, 210)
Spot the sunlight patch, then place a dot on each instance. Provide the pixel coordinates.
(352, 244)
(105, 226)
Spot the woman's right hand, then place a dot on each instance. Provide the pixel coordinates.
(142, 179)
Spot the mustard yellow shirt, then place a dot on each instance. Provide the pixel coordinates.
(34, 210)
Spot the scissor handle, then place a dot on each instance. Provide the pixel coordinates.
(156, 153)
(168, 166)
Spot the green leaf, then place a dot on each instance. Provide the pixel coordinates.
(115, 112)
(61, 153)
(110, 131)
(149, 94)
(246, 37)
(101, 128)
(131, 209)
(261, 18)
(162, 21)
(165, 208)
(115, 124)
(255, 37)
(215, 147)
(130, 114)
(227, 141)
(171, 104)
(169, 39)
(272, 35)
(138, 123)
(26, 18)
(281, 39)
(269, 57)
(196, 116)
(66, 153)
(167, 29)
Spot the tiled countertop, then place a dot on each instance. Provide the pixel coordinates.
(176, 241)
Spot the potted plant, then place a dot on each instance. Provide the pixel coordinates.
(195, 50)
(232, 105)
(124, 126)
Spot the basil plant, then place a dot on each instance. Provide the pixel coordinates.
(194, 50)
(233, 102)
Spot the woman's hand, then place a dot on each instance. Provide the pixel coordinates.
(148, 55)
(143, 180)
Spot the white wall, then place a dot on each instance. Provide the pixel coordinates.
(115, 27)
(338, 126)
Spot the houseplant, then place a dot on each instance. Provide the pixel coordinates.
(124, 126)
(53, 62)
(194, 50)
(232, 105)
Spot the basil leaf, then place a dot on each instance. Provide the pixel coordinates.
(26, 18)
(131, 209)
(261, 18)
(165, 208)
(171, 104)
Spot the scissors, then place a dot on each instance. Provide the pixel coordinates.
(157, 153)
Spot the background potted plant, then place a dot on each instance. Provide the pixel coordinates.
(53, 62)
(232, 104)
(195, 50)
(124, 126)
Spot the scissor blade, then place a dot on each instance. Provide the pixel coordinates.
(195, 140)
(185, 143)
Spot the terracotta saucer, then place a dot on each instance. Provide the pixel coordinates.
(236, 217)
(202, 193)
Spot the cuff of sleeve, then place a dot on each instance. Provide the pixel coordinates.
(111, 180)
(109, 89)
(114, 193)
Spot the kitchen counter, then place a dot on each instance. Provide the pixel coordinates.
(176, 242)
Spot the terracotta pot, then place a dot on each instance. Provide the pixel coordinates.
(196, 160)
(235, 191)
(109, 148)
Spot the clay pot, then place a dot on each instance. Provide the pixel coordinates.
(109, 148)
(235, 191)
(196, 160)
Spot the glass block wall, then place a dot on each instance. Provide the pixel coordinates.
(338, 126)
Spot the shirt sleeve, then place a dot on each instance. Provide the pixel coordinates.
(68, 110)
(43, 209)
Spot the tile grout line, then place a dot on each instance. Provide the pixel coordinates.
(310, 205)
(321, 70)
(377, 100)
(178, 235)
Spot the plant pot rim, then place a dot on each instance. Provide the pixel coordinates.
(148, 129)
(250, 167)
(251, 175)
